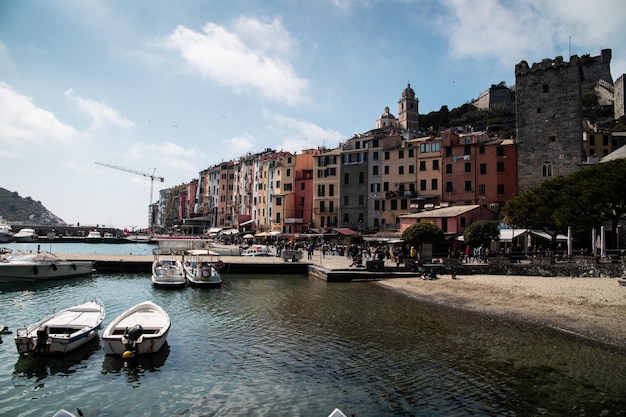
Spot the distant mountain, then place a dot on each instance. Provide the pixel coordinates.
(14, 208)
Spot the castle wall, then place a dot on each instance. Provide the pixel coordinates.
(620, 96)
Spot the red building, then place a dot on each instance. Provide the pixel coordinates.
(478, 169)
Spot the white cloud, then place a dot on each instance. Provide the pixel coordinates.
(297, 135)
(508, 32)
(22, 121)
(243, 57)
(100, 113)
(237, 146)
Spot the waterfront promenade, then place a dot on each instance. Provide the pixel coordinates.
(591, 308)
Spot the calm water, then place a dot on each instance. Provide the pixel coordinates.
(291, 345)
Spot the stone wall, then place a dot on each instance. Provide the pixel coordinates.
(579, 266)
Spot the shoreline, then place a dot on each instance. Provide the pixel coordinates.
(587, 308)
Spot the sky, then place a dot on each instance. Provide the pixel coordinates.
(168, 89)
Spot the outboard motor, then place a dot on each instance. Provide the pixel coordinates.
(42, 344)
(132, 338)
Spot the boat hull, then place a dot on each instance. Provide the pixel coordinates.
(61, 332)
(36, 271)
(154, 321)
(168, 273)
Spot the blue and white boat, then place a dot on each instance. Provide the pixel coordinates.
(61, 332)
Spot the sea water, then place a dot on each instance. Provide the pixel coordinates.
(292, 345)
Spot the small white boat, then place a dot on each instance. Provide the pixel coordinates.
(22, 266)
(61, 332)
(203, 268)
(93, 237)
(6, 233)
(26, 236)
(256, 250)
(167, 272)
(139, 330)
(337, 413)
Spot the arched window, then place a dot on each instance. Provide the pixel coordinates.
(546, 169)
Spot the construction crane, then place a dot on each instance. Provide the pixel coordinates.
(151, 176)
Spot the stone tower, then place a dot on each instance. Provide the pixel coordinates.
(408, 110)
(548, 100)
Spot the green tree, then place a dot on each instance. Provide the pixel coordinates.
(481, 232)
(424, 232)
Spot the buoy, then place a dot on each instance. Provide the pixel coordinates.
(127, 354)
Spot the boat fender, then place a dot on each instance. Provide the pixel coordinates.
(220, 265)
(74, 267)
(35, 270)
(54, 267)
(205, 272)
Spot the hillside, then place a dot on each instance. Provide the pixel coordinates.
(14, 208)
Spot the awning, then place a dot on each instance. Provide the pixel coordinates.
(246, 223)
(344, 231)
(214, 230)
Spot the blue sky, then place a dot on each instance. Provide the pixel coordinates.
(172, 88)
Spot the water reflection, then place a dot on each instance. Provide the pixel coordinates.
(135, 368)
(38, 368)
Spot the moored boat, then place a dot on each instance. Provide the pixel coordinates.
(256, 250)
(93, 237)
(203, 268)
(141, 329)
(25, 235)
(61, 332)
(167, 271)
(6, 233)
(22, 266)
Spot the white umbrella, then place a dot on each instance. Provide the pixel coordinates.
(248, 236)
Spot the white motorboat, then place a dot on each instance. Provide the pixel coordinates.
(61, 332)
(337, 413)
(6, 233)
(203, 268)
(256, 250)
(93, 237)
(167, 272)
(139, 330)
(26, 236)
(22, 266)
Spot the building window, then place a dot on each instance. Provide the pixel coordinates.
(322, 206)
(385, 186)
(435, 146)
(386, 169)
(468, 167)
(331, 190)
(425, 147)
(435, 165)
(375, 156)
(467, 150)
(423, 185)
(401, 154)
(375, 170)
(386, 154)
(401, 170)
(500, 189)
(546, 169)
(483, 168)
(411, 153)
(411, 169)
(444, 225)
(448, 151)
(500, 151)
(482, 189)
(346, 200)
(448, 186)
(394, 204)
(500, 166)
(361, 200)
(468, 186)
(433, 184)
(361, 177)
(448, 168)
(422, 165)
(346, 178)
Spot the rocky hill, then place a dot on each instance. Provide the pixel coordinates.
(14, 208)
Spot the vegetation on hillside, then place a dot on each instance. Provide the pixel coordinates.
(14, 208)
